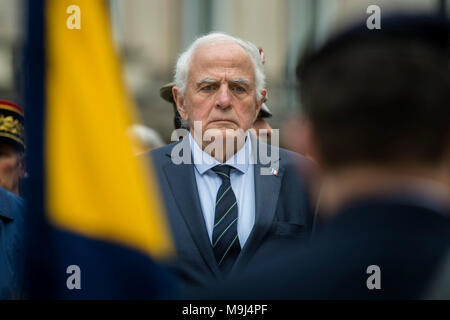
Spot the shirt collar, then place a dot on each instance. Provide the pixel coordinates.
(203, 161)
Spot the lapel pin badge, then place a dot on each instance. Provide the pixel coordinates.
(274, 172)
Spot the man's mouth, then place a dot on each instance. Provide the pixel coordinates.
(222, 120)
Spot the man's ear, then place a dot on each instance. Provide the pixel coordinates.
(179, 101)
(260, 102)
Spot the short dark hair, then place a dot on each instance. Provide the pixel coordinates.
(378, 100)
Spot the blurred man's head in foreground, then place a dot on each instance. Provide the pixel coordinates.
(387, 99)
(12, 146)
(144, 139)
(380, 99)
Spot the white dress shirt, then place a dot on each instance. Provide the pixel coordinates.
(242, 183)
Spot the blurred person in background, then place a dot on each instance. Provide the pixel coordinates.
(12, 207)
(144, 139)
(166, 93)
(378, 123)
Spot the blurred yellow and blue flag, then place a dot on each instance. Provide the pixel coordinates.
(96, 220)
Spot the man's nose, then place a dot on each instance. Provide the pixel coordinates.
(223, 97)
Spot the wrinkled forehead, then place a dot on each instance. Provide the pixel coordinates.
(221, 55)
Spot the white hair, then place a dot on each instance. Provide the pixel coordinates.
(184, 60)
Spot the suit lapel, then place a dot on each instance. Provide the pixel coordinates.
(181, 179)
(267, 189)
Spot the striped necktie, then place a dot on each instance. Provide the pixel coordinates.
(225, 238)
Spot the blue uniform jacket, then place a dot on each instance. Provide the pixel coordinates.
(12, 233)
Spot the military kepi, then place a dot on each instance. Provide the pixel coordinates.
(12, 124)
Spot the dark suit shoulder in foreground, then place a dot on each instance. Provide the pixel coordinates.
(407, 242)
(12, 235)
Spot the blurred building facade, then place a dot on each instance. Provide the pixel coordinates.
(150, 34)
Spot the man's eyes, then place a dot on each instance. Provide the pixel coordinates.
(208, 88)
(238, 89)
(235, 88)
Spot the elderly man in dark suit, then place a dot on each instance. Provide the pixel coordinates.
(381, 133)
(228, 195)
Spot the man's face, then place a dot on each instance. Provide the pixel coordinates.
(221, 89)
(11, 167)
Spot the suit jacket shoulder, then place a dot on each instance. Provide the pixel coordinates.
(12, 231)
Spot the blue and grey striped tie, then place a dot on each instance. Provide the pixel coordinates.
(225, 238)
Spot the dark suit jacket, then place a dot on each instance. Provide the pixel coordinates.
(282, 213)
(407, 241)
